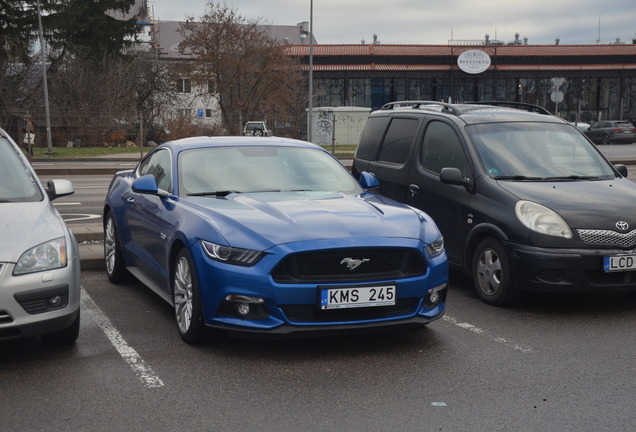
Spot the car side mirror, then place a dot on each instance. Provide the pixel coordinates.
(59, 188)
(147, 184)
(369, 181)
(453, 176)
(622, 169)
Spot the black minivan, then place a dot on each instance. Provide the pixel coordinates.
(524, 200)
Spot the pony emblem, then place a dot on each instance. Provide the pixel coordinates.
(353, 264)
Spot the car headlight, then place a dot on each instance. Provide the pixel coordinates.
(435, 248)
(542, 220)
(45, 256)
(231, 255)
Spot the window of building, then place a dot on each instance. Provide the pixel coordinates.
(183, 86)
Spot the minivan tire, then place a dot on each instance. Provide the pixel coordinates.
(491, 274)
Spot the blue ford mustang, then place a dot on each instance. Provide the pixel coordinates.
(271, 237)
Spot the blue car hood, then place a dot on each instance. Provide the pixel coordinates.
(261, 220)
(582, 204)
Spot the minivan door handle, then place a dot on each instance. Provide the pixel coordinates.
(414, 188)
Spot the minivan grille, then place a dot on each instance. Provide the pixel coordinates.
(608, 237)
(332, 265)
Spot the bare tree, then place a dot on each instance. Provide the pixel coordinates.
(240, 57)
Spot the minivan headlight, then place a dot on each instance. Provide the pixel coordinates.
(45, 256)
(542, 220)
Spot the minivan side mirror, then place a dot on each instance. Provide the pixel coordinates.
(454, 176)
(369, 181)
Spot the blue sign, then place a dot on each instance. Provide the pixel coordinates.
(200, 113)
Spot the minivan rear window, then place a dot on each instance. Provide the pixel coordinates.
(369, 145)
(398, 140)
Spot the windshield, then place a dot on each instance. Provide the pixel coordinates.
(537, 151)
(219, 171)
(18, 184)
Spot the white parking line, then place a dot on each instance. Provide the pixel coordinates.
(134, 360)
(477, 330)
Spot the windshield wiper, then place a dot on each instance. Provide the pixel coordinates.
(215, 193)
(573, 177)
(517, 177)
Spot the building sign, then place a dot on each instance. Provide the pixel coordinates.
(473, 61)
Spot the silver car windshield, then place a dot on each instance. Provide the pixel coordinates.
(223, 170)
(537, 151)
(18, 184)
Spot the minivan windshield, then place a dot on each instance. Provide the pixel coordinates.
(537, 151)
(18, 184)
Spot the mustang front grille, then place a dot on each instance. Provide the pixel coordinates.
(608, 237)
(360, 264)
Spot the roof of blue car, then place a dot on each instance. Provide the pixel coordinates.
(234, 141)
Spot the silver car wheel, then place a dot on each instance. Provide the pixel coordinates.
(489, 272)
(183, 293)
(110, 245)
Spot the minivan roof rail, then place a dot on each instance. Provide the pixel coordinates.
(517, 105)
(419, 104)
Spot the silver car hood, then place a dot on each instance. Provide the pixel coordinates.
(25, 225)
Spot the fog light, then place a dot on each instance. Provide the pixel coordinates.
(243, 308)
(434, 297)
(55, 301)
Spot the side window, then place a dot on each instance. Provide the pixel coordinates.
(371, 137)
(397, 142)
(441, 148)
(159, 166)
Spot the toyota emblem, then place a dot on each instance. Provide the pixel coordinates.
(622, 225)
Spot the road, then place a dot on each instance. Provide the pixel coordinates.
(555, 363)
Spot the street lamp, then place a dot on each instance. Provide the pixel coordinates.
(311, 71)
(49, 144)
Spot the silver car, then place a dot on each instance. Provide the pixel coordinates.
(39, 256)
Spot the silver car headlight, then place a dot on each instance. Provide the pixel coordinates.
(435, 248)
(45, 256)
(231, 255)
(542, 220)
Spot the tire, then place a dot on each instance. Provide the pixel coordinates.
(605, 140)
(187, 301)
(115, 267)
(68, 336)
(258, 132)
(491, 274)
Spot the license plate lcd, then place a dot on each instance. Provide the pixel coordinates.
(619, 263)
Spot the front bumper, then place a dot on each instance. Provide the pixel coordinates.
(292, 308)
(24, 307)
(566, 270)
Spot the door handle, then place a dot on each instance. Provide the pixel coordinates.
(130, 200)
(414, 188)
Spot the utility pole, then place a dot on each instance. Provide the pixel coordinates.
(311, 71)
(49, 143)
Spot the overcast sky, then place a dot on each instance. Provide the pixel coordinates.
(435, 22)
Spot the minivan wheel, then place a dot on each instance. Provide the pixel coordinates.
(491, 274)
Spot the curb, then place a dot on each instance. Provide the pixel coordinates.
(90, 238)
